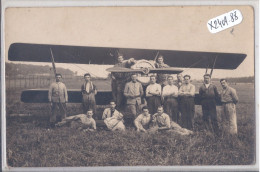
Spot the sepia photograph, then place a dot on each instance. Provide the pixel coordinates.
(129, 86)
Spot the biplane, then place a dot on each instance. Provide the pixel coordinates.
(106, 56)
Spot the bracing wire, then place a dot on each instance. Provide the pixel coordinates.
(192, 65)
(81, 67)
(85, 70)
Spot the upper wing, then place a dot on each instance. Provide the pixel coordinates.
(106, 55)
(61, 53)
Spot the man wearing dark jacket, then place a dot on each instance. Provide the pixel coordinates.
(209, 94)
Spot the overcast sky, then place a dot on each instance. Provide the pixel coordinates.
(169, 28)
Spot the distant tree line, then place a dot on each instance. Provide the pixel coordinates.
(249, 79)
(13, 69)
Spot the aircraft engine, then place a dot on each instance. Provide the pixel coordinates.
(144, 77)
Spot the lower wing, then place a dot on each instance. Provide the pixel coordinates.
(75, 96)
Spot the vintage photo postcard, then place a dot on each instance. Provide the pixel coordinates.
(129, 88)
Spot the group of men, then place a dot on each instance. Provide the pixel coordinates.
(162, 94)
(58, 97)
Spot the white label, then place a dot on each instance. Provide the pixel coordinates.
(224, 21)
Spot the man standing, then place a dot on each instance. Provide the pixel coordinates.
(229, 100)
(170, 96)
(133, 92)
(208, 94)
(162, 78)
(88, 90)
(179, 80)
(58, 97)
(153, 94)
(119, 80)
(187, 105)
(179, 84)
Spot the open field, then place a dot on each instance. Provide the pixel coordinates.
(30, 143)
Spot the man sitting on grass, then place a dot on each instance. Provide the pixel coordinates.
(143, 120)
(112, 118)
(83, 122)
(161, 121)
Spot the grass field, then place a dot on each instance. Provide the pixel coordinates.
(30, 143)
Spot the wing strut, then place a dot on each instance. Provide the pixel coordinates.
(155, 59)
(213, 66)
(207, 69)
(53, 63)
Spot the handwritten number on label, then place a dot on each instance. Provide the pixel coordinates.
(224, 21)
(232, 18)
(218, 22)
(235, 14)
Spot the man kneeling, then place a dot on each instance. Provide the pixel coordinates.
(83, 122)
(112, 118)
(161, 121)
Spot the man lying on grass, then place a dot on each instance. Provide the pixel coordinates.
(161, 121)
(83, 122)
